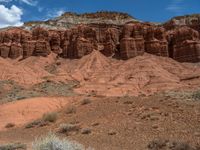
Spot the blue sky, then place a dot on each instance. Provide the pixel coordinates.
(15, 12)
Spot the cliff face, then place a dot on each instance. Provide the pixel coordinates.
(69, 20)
(192, 21)
(113, 34)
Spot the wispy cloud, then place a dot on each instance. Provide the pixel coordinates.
(5, 1)
(28, 2)
(175, 6)
(54, 13)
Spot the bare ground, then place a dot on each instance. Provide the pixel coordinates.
(123, 123)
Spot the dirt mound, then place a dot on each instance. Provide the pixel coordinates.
(101, 75)
(141, 75)
(26, 72)
(24, 111)
(10, 70)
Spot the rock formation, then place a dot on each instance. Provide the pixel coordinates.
(156, 42)
(178, 38)
(132, 42)
(185, 44)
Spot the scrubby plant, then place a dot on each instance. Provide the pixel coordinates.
(66, 128)
(85, 101)
(36, 123)
(86, 131)
(14, 146)
(158, 144)
(10, 125)
(196, 95)
(51, 142)
(46, 118)
(70, 110)
(50, 117)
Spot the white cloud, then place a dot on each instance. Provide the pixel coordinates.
(54, 13)
(175, 6)
(28, 2)
(59, 12)
(5, 1)
(10, 16)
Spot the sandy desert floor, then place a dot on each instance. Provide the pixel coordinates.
(113, 104)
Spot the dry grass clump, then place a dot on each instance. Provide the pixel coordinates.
(46, 118)
(70, 110)
(85, 101)
(86, 131)
(196, 95)
(66, 128)
(51, 142)
(50, 117)
(160, 144)
(14, 146)
(10, 125)
(36, 123)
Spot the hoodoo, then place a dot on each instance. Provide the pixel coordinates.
(123, 39)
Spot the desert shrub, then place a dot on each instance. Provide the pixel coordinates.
(66, 128)
(10, 125)
(46, 118)
(196, 95)
(160, 144)
(51, 142)
(50, 117)
(15, 146)
(85, 101)
(70, 110)
(36, 123)
(86, 131)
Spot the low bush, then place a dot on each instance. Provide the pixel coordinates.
(50, 117)
(46, 118)
(14, 146)
(85, 101)
(86, 131)
(66, 128)
(36, 123)
(51, 142)
(71, 110)
(196, 95)
(160, 144)
(10, 125)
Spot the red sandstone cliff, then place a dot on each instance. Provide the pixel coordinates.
(124, 39)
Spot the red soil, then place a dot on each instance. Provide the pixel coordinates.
(145, 74)
(24, 111)
(98, 74)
